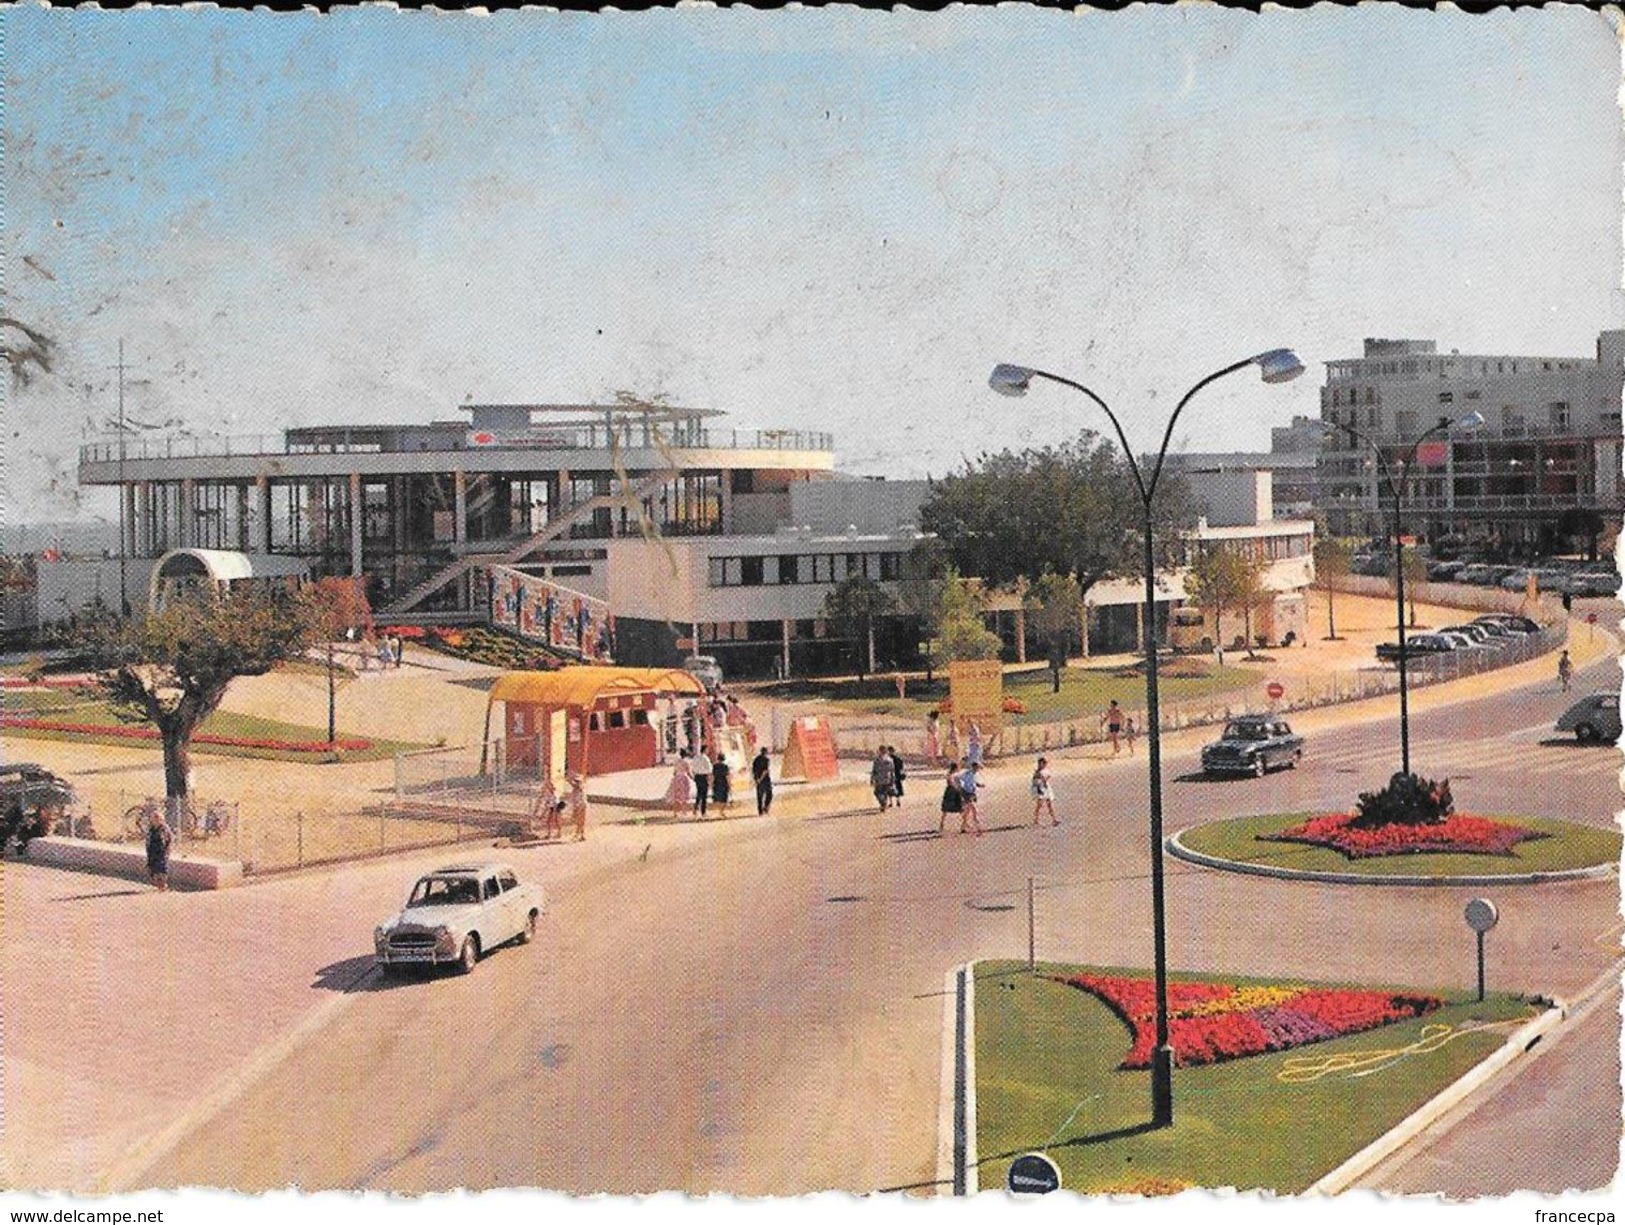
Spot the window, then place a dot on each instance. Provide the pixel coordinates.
(491, 888)
(726, 571)
(891, 566)
(508, 881)
(823, 568)
(1558, 415)
(790, 569)
(750, 571)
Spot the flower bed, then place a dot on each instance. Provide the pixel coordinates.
(1211, 1022)
(135, 732)
(1457, 834)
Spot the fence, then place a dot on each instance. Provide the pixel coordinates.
(465, 772)
(858, 735)
(1453, 595)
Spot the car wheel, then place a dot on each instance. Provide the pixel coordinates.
(1586, 734)
(528, 932)
(469, 956)
(1258, 766)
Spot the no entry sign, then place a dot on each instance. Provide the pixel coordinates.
(1276, 690)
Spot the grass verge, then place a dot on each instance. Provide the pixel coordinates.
(1047, 1079)
(1567, 846)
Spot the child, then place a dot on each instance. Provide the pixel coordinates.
(1043, 792)
(578, 806)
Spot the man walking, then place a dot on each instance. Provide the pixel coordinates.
(1112, 720)
(702, 781)
(896, 773)
(1565, 671)
(882, 777)
(760, 773)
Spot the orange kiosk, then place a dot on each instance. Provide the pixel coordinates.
(584, 719)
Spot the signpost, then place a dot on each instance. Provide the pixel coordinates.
(1481, 915)
(976, 689)
(1033, 1174)
(1276, 690)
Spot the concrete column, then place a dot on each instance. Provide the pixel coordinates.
(564, 493)
(727, 503)
(1083, 625)
(786, 624)
(187, 518)
(143, 519)
(261, 539)
(1021, 635)
(871, 648)
(127, 545)
(459, 529)
(355, 523)
(1139, 626)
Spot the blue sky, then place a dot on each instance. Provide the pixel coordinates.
(830, 218)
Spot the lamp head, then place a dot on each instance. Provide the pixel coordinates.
(1472, 421)
(1278, 366)
(1010, 380)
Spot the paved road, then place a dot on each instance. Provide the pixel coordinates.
(757, 1009)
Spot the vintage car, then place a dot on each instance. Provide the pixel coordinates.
(1593, 720)
(1417, 646)
(1252, 745)
(456, 914)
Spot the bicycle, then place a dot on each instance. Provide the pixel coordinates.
(138, 818)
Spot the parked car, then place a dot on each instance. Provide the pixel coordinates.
(34, 787)
(1499, 632)
(1515, 623)
(1481, 574)
(1416, 645)
(1478, 633)
(1444, 571)
(705, 669)
(1514, 580)
(1252, 745)
(457, 914)
(1594, 582)
(1593, 720)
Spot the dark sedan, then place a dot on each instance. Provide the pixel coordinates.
(1253, 745)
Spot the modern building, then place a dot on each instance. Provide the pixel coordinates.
(1545, 462)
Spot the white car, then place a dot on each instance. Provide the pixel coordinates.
(458, 913)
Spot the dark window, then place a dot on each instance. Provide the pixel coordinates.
(750, 571)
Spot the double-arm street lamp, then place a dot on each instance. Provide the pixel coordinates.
(1276, 366)
(1394, 477)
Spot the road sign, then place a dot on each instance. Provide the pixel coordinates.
(1591, 618)
(1033, 1174)
(1481, 915)
(1276, 690)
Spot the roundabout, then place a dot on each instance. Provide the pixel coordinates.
(1548, 850)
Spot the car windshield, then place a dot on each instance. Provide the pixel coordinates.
(445, 891)
(1246, 731)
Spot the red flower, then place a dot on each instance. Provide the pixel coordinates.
(1458, 833)
(129, 732)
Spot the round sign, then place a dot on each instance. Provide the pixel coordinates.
(1275, 689)
(1481, 914)
(1591, 618)
(1033, 1174)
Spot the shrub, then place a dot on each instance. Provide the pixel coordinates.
(1408, 799)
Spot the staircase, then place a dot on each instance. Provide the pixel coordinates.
(555, 527)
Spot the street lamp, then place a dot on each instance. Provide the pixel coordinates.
(1396, 491)
(1274, 366)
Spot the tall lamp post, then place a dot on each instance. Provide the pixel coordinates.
(1395, 481)
(1276, 366)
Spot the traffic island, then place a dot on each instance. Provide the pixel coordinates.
(1309, 846)
(1278, 1085)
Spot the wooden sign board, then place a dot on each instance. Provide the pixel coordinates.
(809, 756)
(976, 689)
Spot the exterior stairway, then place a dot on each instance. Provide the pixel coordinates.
(556, 527)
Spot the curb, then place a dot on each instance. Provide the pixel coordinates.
(1179, 850)
(1385, 1145)
(956, 1103)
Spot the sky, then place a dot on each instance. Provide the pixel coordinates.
(826, 218)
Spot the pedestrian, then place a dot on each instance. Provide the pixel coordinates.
(541, 807)
(969, 783)
(721, 781)
(701, 765)
(1565, 671)
(896, 773)
(761, 773)
(882, 777)
(578, 806)
(386, 652)
(159, 838)
(953, 799)
(1129, 733)
(1112, 720)
(933, 738)
(398, 648)
(680, 791)
(973, 744)
(1043, 792)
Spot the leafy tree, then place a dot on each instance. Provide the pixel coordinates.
(852, 607)
(173, 667)
(922, 592)
(1333, 560)
(1070, 510)
(1054, 602)
(1223, 579)
(963, 634)
(339, 605)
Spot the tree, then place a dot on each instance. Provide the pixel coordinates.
(962, 633)
(173, 667)
(1222, 579)
(1416, 573)
(1333, 560)
(339, 606)
(1068, 510)
(922, 594)
(1053, 603)
(852, 607)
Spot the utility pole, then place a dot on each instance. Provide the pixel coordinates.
(123, 588)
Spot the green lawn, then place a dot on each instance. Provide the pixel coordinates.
(1047, 1079)
(1084, 691)
(76, 706)
(1568, 846)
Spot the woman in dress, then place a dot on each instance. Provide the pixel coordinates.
(1043, 792)
(933, 738)
(680, 792)
(159, 837)
(720, 780)
(952, 799)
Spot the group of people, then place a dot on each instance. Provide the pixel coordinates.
(548, 808)
(386, 651)
(699, 782)
(942, 744)
(1119, 727)
(962, 788)
(886, 776)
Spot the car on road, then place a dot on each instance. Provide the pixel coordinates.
(1416, 646)
(456, 914)
(1593, 720)
(1252, 745)
(706, 670)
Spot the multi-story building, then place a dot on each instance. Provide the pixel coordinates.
(1546, 458)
